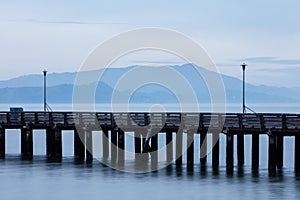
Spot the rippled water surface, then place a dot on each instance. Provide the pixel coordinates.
(42, 180)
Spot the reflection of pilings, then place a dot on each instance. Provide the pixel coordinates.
(114, 143)
(105, 145)
(215, 150)
(203, 147)
(26, 143)
(169, 146)
(2, 143)
(240, 149)
(190, 150)
(255, 151)
(121, 147)
(79, 148)
(89, 145)
(297, 154)
(179, 148)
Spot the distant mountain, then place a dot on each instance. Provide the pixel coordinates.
(29, 88)
(66, 78)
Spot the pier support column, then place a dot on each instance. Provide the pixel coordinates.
(75, 144)
(105, 145)
(49, 142)
(79, 148)
(215, 150)
(255, 151)
(58, 144)
(179, 148)
(137, 145)
(240, 149)
(297, 154)
(190, 150)
(54, 144)
(229, 152)
(26, 143)
(169, 146)
(144, 155)
(279, 153)
(89, 145)
(143, 142)
(2, 143)
(121, 147)
(203, 147)
(272, 154)
(114, 144)
(154, 148)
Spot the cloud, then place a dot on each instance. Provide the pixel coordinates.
(71, 22)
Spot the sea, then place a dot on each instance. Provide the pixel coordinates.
(41, 180)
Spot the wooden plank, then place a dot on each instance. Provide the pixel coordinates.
(3, 118)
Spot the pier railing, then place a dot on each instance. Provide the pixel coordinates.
(262, 122)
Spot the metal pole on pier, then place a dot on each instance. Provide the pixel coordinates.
(45, 91)
(46, 106)
(244, 68)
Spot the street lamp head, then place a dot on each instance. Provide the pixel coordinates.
(45, 72)
(244, 66)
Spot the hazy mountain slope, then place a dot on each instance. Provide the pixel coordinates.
(29, 88)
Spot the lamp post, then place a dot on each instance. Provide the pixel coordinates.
(244, 68)
(45, 92)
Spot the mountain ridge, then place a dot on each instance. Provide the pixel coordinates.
(29, 88)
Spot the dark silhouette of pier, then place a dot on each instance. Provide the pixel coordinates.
(276, 126)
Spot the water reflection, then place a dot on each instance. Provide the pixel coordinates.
(172, 182)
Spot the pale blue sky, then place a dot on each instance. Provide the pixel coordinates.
(58, 35)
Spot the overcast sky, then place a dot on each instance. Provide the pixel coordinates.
(59, 35)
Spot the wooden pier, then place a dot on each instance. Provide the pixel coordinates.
(276, 126)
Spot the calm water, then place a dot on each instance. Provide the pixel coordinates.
(38, 179)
